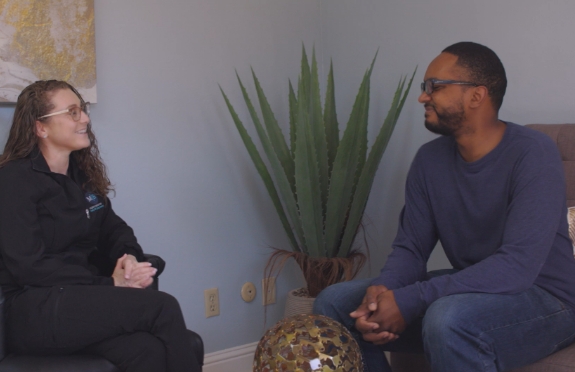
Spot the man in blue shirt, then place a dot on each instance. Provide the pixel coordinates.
(493, 193)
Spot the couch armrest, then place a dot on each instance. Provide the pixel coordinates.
(159, 264)
(197, 346)
(2, 336)
(156, 262)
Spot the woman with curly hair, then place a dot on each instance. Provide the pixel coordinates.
(58, 232)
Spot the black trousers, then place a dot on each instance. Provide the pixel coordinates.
(137, 330)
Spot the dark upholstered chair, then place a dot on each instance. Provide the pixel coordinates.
(76, 362)
(563, 360)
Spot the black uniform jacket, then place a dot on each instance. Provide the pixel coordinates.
(52, 232)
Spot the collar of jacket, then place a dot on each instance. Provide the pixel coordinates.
(39, 164)
(38, 161)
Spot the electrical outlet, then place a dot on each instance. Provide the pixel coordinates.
(269, 290)
(212, 302)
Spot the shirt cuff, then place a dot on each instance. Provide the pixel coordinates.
(134, 252)
(410, 303)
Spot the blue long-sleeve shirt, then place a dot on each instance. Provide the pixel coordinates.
(501, 221)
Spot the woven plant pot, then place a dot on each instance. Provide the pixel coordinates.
(298, 302)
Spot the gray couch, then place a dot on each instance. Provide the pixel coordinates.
(563, 360)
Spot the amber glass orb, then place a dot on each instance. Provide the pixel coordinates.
(307, 343)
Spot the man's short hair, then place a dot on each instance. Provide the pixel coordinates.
(483, 66)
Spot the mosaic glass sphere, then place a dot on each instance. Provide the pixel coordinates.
(308, 343)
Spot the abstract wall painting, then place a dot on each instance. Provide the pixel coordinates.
(47, 39)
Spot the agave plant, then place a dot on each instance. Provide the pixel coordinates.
(319, 183)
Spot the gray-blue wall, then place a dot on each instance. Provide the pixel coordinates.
(183, 179)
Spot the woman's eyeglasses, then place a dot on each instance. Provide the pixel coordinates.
(75, 112)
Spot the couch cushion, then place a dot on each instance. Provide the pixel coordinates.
(564, 136)
(69, 363)
(571, 220)
(561, 361)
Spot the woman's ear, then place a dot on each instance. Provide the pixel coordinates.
(41, 130)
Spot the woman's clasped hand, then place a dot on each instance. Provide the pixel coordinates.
(131, 273)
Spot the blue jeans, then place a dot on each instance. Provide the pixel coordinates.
(465, 332)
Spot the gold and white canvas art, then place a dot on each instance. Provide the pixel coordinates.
(47, 39)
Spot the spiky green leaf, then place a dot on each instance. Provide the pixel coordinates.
(368, 174)
(330, 120)
(318, 131)
(305, 74)
(263, 172)
(346, 167)
(277, 139)
(363, 142)
(292, 118)
(307, 178)
(281, 180)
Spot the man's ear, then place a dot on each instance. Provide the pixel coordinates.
(479, 96)
(41, 129)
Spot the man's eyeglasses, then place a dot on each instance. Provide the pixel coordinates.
(75, 112)
(428, 86)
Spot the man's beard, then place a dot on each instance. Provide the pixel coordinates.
(448, 121)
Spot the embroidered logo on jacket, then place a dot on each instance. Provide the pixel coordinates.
(93, 199)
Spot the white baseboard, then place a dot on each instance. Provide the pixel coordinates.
(236, 359)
